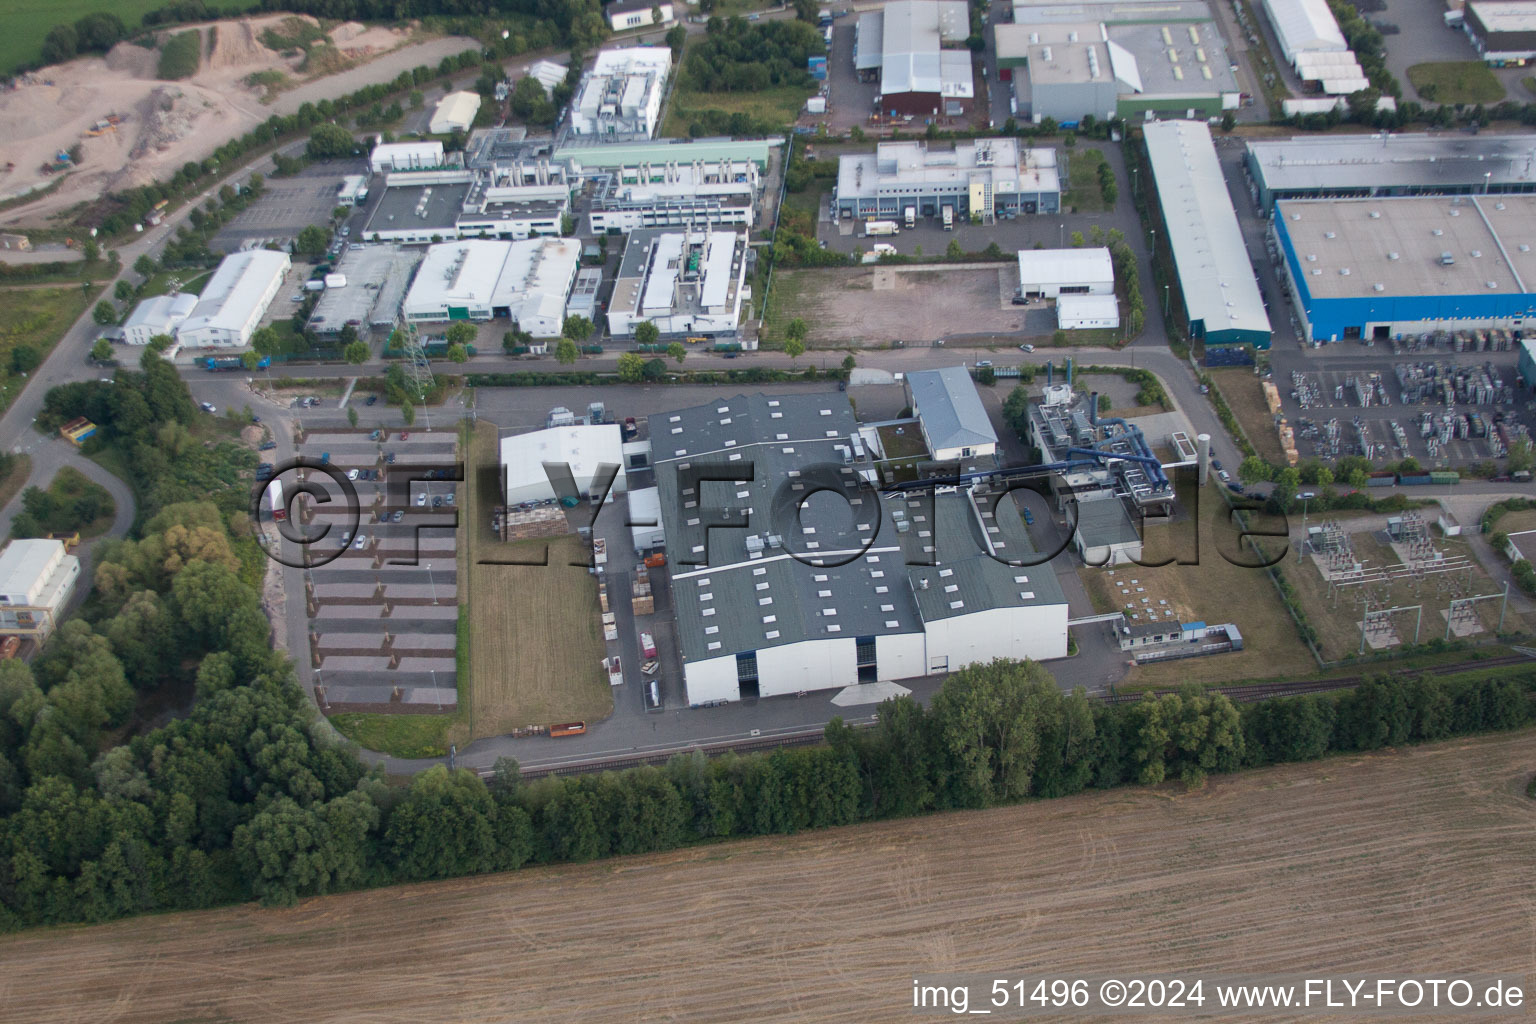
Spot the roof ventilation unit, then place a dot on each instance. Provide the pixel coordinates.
(1394, 256)
(1379, 286)
(1437, 232)
(1524, 247)
(1329, 234)
(1343, 271)
(1492, 284)
(1477, 254)
(1447, 260)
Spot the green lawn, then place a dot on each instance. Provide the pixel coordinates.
(1083, 190)
(1457, 81)
(35, 318)
(399, 735)
(28, 21)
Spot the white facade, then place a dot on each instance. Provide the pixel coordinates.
(37, 578)
(455, 113)
(234, 300)
(405, 156)
(353, 190)
(720, 193)
(655, 283)
(622, 93)
(624, 15)
(535, 464)
(161, 314)
(515, 211)
(478, 279)
(1049, 273)
(944, 645)
(1087, 312)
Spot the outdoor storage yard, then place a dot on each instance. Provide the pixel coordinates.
(879, 305)
(536, 646)
(1405, 863)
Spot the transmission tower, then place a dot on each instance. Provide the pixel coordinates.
(418, 371)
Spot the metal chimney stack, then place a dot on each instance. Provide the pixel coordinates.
(1203, 456)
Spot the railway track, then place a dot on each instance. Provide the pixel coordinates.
(751, 745)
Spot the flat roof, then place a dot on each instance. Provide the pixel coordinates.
(1215, 275)
(399, 205)
(1012, 167)
(1105, 522)
(869, 40)
(1506, 15)
(1094, 306)
(652, 266)
(1386, 160)
(162, 311)
(1202, 65)
(584, 447)
(375, 275)
(912, 58)
(1349, 247)
(1111, 12)
(1066, 266)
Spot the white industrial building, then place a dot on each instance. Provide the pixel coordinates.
(405, 156)
(685, 282)
(627, 14)
(784, 602)
(1048, 273)
(455, 113)
(480, 279)
(1087, 312)
(905, 43)
(983, 178)
(645, 529)
(1304, 27)
(560, 462)
(160, 314)
(1216, 282)
(547, 73)
(621, 96)
(721, 193)
(234, 300)
(353, 190)
(37, 578)
(955, 425)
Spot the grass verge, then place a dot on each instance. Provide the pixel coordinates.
(1245, 397)
(35, 319)
(397, 735)
(1084, 194)
(14, 478)
(1455, 81)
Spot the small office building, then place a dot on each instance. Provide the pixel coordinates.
(37, 578)
(1049, 273)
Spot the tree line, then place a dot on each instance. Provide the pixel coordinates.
(736, 56)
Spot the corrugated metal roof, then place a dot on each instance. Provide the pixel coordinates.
(1304, 25)
(1210, 255)
(951, 410)
(235, 290)
(1383, 160)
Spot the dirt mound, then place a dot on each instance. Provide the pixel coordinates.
(133, 60)
(238, 45)
(347, 31)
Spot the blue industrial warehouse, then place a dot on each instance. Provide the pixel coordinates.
(1391, 267)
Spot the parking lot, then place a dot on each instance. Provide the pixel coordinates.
(1390, 408)
(382, 585)
(286, 207)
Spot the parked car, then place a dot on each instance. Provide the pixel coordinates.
(267, 446)
(1216, 465)
(1029, 518)
(351, 474)
(207, 408)
(421, 499)
(437, 501)
(1026, 348)
(361, 540)
(449, 498)
(1019, 300)
(397, 515)
(371, 399)
(983, 363)
(346, 538)
(389, 458)
(405, 435)
(1225, 476)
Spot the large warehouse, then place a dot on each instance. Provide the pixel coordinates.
(1382, 268)
(234, 300)
(479, 279)
(1216, 283)
(1503, 31)
(778, 590)
(559, 462)
(1130, 60)
(1050, 273)
(905, 43)
(687, 283)
(1388, 164)
(405, 156)
(621, 96)
(984, 178)
(455, 113)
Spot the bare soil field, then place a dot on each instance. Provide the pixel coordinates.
(535, 637)
(1413, 861)
(879, 305)
(167, 124)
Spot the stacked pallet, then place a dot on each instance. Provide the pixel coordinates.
(641, 599)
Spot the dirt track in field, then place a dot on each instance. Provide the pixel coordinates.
(1419, 860)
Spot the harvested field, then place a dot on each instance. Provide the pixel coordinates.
(535, 638)
(1409, 862)
(878, 305)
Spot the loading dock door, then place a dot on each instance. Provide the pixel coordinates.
(458, 312)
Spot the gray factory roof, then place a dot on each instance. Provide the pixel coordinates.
(376, 278)
(1506, 15)
(1388, 161)
(1104, 522)
(911, 58)
(761, 586)
(397, 208)
(757, 586)
(1202, 66)
(951, 410)
(1157, 12)
(869, 40)
(958, 567)
(1396, 246)
(1210, 255)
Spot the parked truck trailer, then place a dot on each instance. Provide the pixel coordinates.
(881, 227)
